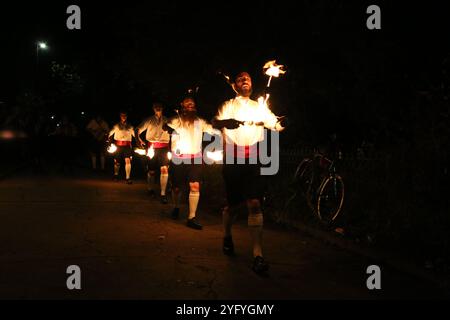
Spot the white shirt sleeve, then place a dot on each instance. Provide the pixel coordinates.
(270, 119)
(113, 131)
(143, 126)
(206, 127)
(174, 123)
(224, 111)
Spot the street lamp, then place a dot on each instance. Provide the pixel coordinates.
(40, 45)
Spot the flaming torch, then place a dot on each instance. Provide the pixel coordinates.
(273, 70)
(112, 148)
(140, 152)
(151, 152)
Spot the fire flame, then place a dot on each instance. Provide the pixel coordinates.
(273, 70)
(151, 152)
(112, 148)
(140, 152)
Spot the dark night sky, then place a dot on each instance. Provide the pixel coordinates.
(128, 52)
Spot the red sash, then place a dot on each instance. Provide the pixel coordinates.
(121, 143)
(158, 145)
(246, 151)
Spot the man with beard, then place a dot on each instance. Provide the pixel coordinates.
(123, 134)
(158, 139)
(187, 159)
(243, 182)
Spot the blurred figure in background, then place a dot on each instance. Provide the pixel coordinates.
(98, 131)
(66, 133)
(122, 135)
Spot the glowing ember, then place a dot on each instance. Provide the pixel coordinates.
(112, 148)
(215, 155)
(151, 152)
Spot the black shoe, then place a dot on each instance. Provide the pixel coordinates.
(228, 246)
(260, 265)
(175, 213)
(164, 199)
(115, 178)
(192, 223)
(129, 181)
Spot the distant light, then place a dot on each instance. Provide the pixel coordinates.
(7, 135)
(82, 113)
(52, 117)
(42, 45)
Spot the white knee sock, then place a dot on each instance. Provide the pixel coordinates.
(128, 170)
(194, 197)
(116, 168)
(255, 224)
(163, 181)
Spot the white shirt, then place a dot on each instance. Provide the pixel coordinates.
(122, 133)
(187, 138)
(155, 132)
(245, 109)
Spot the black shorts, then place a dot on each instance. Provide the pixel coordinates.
(243, 182)
(182, 174)
(159, 159)
(96, 146)
(123, 152)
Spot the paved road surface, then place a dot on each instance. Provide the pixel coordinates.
(128, 248)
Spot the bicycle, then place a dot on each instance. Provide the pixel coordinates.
(323, 188)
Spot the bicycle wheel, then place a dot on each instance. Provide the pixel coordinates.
(330, 198)
(304, 174)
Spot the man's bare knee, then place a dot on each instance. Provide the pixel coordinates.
(164, 170)
(194, 186)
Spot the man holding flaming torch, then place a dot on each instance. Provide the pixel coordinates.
(157, 140)
(187, 158)
(242, 121)
(122, 134)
